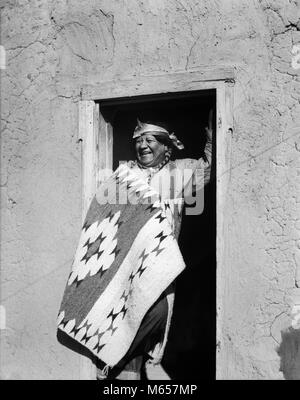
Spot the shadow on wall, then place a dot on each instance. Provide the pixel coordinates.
(289, 353)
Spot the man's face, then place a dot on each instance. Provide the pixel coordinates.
(149, 151)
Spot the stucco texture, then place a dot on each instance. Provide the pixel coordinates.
(52, 49)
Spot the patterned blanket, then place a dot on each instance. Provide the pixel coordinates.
(126, 257)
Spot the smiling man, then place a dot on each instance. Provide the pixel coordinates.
(154, 144)
(119, 296)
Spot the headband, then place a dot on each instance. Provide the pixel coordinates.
(143, 128)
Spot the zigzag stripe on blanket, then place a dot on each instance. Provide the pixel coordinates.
(126, 257)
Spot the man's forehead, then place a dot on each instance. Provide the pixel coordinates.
(147, 135)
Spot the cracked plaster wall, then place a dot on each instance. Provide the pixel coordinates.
(52, 48)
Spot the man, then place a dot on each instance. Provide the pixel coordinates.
(119, 297)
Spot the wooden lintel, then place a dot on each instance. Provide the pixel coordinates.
(157, 84)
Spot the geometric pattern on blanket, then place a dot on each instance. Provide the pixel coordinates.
(126, 257)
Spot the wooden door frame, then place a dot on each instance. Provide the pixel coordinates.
(97, 138)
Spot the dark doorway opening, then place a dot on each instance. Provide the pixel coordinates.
(190, 351)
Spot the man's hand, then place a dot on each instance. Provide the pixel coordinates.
(209, 128)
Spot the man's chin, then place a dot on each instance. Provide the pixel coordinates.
(146, 161)
(149, 163)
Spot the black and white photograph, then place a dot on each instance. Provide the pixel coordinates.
(150, 193)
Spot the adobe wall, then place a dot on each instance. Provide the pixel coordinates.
(54, 47)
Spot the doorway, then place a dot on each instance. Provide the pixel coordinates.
(190, 351)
